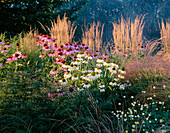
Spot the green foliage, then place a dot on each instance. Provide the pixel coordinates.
(20, 15)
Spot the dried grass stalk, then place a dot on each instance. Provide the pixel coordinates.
(93, 35)
(63, 30)
(128, 33)
(165, 36)
(28, 41)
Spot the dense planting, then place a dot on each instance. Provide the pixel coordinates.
(67, 88)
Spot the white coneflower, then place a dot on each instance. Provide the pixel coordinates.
(100, 60)
(63, 81)
(67, 75)
(121, 76)
(98, 70)
(74, 77)
(81, 54)
(112, 70)
(99, 65)
(80, 89)
(86, 85)
(89, 57)
(101, 85)
(65, 66)
(108, 63)
(113, 84)
(102, 90)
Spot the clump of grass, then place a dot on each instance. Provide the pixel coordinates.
(62, 29)
(165, 36)
(129, 33)
(92, 36)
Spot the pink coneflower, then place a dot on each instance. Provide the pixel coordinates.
(130, 51)
(77, 50)
(53, 71)
(97, 52)
(117, 47)
(145, 47)
(39, 42)
(24, 56)
(61, 46)
(1, 65)
(1, 42)
(49, 39)
(139, 45)
(47, 48)
(74, 57)
(95, 56)
(41, 56)
(52, 54)
(67, 45)
(7, 45)
(54, 46)
(142, 48)
(83, 45)
(4, 50)
(11, 58)
(105, 55)
(17, 54)
(40, 35)
(113, 50)
(87, 48)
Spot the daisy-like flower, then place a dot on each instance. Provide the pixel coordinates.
(4, 50)
(98, 70)
(117, 47)
(17, 54)
(97, 52)
(67, 75)
(102, 90)
(46, 48)
(1, 65)
(93, 76)
(54, 46)
(100, 60)
(52, 54)
(130, 51)
(80, 89)
(108, 63)
(83, 45)
(77, 62)
(101, 85)
(121, 76)
(99, 65)
(88, 57)
(113, 84)
(116, 79)
(53, 71)
(112, 70)
(105, 55)
(41, 56)
(75, 77)
(63, 82)
(86, 85)
(81, 54)
(7, 45)
(24, 56)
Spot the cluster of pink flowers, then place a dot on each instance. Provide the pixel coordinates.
(15, 56)
(59, 52)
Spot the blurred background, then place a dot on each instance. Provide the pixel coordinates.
(18, 16)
